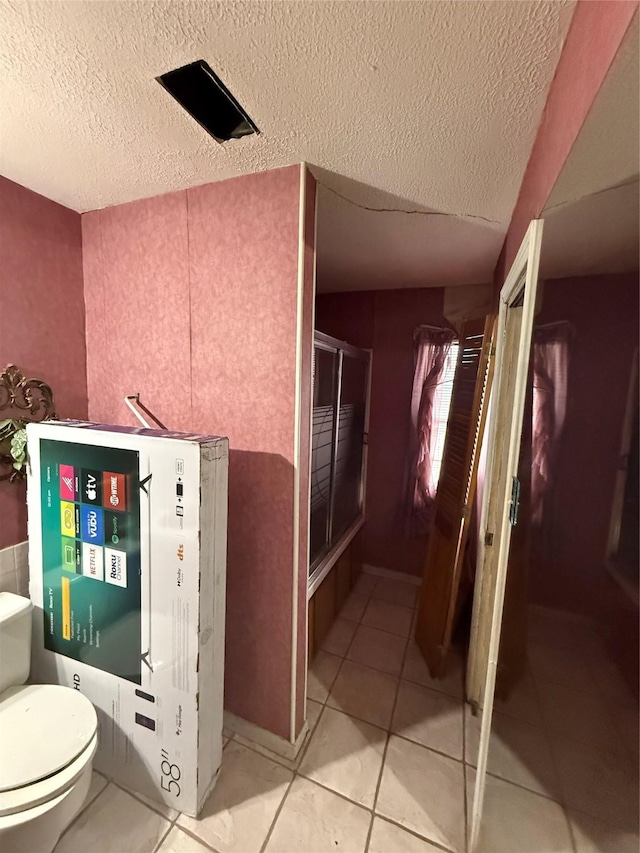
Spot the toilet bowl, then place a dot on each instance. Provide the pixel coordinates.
(48, 737)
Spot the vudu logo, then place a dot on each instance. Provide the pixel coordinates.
(92, 525)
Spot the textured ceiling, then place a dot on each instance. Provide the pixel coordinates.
(372, 250)
(592, 218)
(597, 235)
(435, 103)
(606, 151)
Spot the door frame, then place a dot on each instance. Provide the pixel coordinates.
(513, 348)
(617, 503)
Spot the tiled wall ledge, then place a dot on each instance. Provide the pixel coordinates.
(14, 569)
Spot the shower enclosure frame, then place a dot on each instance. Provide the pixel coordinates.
(325, 560)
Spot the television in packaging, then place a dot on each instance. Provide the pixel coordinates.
(127, 569)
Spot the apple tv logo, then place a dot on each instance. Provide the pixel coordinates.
(91, 487)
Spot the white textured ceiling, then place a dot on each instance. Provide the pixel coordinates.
(606, 151)
(597, 235)
(434, 103)
(592, 218)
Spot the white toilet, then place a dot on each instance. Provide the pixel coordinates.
(48, 737)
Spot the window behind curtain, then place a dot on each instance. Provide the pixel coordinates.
(441, 406)
(550, 375)
(430, 399)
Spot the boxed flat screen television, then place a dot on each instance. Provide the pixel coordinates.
(127, 568)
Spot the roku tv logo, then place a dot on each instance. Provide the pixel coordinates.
(115, 567)
(114, 490)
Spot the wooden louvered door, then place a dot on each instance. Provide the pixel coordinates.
(456, 491)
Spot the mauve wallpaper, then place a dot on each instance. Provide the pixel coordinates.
(42, 323)
(600, 359)
(192, 301)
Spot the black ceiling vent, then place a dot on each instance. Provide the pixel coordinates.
(205, 97)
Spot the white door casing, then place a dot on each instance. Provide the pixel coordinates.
(513, 346)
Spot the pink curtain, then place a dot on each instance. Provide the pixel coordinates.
(550, 374)
(431, 347)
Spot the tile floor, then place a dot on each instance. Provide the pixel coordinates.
(389, 764)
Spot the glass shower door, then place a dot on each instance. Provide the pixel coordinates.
(340, 386)
(347, 502)
(323, 429)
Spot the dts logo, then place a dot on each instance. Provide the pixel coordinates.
(181, 552)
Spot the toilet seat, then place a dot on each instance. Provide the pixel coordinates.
(62, 724)
(22, 801)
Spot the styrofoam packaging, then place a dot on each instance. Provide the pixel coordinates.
(127, 566)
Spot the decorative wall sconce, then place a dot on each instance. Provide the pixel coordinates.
(22, 400)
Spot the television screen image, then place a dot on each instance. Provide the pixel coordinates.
(91, 555)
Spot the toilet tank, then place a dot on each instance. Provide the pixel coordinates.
(15, 639)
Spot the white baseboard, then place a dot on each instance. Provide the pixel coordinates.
(381, 572)
(262, 737)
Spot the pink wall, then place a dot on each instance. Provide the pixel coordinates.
(192, 300)
(604, 311)
(385, 321)
(41, 314)
(596, 31)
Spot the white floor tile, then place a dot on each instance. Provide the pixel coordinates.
(388, 617)
(518, 752)
(98, 784)
(561, 665)
(592, 835)
(180, 842)
(396, 592)
(364, 693)
(339, 637)
(556, 628)
(598, 783)
(424, 792)
(522, 702)
(580, 716)
(321, 675)
(239, 812)
(415, 669)
(354, 607)
(314, 819)
(161, 808)
(365, 584)
(314, 709)
(114, 823)
(289, 763)
(430, 718)
(517, 820)
(608, 679)
(388, 838)
(378, 649)
(345, 755)
(627, 722)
